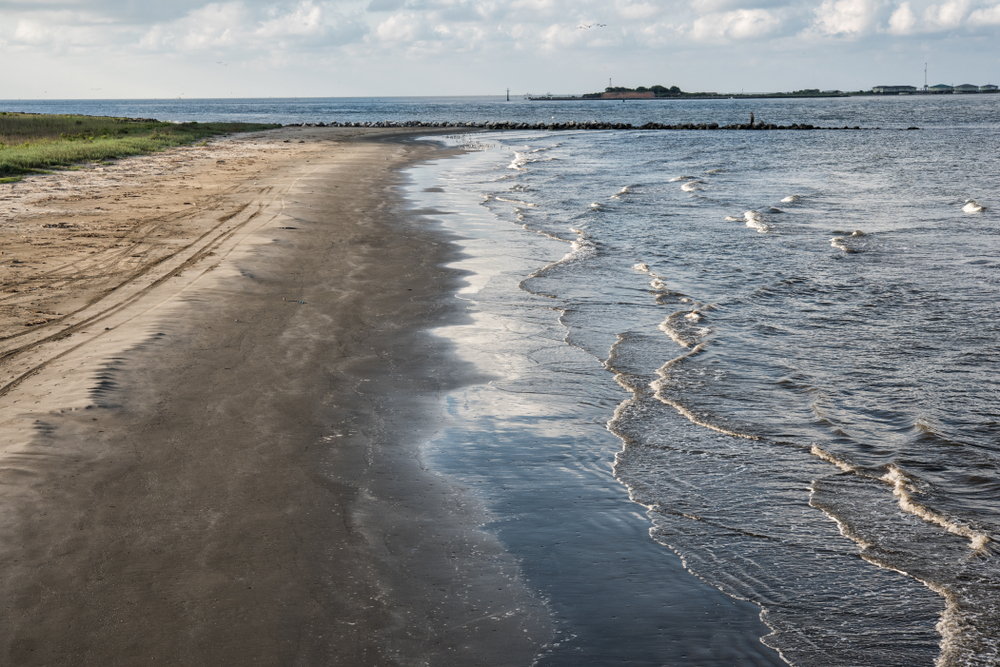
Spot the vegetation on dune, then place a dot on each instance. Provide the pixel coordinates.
(34, 143)
(658, 91)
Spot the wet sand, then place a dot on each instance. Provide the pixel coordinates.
(213, 384)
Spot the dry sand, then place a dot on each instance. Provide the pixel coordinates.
(215, 377)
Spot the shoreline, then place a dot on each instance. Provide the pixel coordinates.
(534, 444)
(174, 463)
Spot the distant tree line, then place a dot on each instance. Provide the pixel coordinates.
(659, 91)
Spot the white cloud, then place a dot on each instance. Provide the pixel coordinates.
(736, 25)
(560, 36)
(60, 31)
(32, 32)
(306, 20)
(212, 26)
(235, 26)
(390, 45)
(986, 16)
(903, 20)
(403, 29)
(846, 17)
(545, 7)
(947, 15)
(637, 11)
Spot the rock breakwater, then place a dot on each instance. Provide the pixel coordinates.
(574, 125)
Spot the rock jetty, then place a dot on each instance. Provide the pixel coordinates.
(574, 125)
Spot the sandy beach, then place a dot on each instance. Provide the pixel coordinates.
(215, 377)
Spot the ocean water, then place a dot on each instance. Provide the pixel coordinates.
(951, 111)
(735, 374)
(782, 346)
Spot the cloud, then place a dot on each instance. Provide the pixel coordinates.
(387, 44)
(60, 31)
(903, 20)
(948, 15)
(385, 5)
(306, 20)
(211, 27)
(304, 26)
(32, 32)
(403, 29)
(846, 17)
(638, 11)
(985, 17)
(560, 36)
(736, 25)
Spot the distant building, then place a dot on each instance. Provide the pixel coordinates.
(988, 88)
(966, 88)
(940, 88)
(893, 90)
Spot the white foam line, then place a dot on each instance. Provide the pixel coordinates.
(903, 489)
(658, 385)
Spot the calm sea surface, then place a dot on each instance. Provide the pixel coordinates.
(774, 352)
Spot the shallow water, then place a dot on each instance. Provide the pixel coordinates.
(792, 337)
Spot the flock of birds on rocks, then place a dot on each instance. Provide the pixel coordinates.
(574, 125)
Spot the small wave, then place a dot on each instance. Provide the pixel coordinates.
(972, 206)
(692, 186)
(596, 206)
(677, 179)
(772, 209)
(628, 189)
(715, 171)
(904, 488)
(514, 201)
(640, 267)
(790, 199)
(680, 327)
(830, 458)
(522, 159)
(755, 220)
(733, 218)
(848, 243)
(580, 248)
(659, 392)
(518, 162)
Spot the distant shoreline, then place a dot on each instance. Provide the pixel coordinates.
(739, 96)
(685, 96)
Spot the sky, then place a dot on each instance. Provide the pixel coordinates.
(120, 49)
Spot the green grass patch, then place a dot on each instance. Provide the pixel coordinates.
(31, 143)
